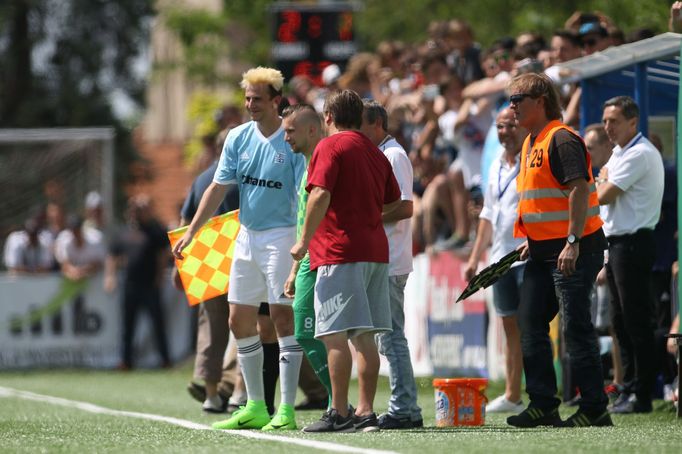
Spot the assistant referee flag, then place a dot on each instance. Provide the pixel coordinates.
(205, 268)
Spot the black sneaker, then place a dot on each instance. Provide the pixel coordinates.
(332, 421)
(534, 417)
(197, 391)
(389, 422)
(367, 423)
(582, 419)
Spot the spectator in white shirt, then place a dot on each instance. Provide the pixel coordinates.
(80, 251)
(496, 223)
(29, 250)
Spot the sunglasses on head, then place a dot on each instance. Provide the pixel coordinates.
(519, 97)
(589, 42)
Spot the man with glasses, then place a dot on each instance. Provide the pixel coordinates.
(594, 38)
(559, 214)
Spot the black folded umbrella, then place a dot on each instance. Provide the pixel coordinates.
(489, 275)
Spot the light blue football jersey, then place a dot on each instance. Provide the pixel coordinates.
(267, 172)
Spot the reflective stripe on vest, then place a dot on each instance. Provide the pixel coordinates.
(531, 194)
(543, 202)
(549, 216)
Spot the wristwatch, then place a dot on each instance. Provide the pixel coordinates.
(572, 239)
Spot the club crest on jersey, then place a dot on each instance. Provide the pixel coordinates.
(279, 158)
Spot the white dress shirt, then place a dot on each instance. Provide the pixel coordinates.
(636, 169)
(500, 203)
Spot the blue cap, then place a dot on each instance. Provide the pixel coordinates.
(592, 27)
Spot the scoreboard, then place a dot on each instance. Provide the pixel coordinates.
(309, 37)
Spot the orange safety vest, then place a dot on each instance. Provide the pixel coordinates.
(543, 209)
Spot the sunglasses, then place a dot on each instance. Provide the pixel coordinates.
(519, 97)
(502, 57)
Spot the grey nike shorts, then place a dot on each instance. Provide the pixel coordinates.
(352, 298)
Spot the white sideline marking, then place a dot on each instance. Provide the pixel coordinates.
(92, 408)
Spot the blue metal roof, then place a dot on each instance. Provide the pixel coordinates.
(647, 70)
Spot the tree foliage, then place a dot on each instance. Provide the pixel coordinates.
(492, 19)
(244, 27)
(63, 61)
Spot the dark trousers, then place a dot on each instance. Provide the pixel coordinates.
(631, 258)
(543, 291)
(135, 298)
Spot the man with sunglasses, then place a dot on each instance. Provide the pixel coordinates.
(559, 214)
(593, 37)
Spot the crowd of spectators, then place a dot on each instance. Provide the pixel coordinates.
(442, 96)
(51, 241)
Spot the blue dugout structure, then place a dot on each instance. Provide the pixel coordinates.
(647, 70)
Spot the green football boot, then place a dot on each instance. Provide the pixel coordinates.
(285, 419)
(254, 415)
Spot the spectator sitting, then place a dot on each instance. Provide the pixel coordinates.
(80, 251)
(463, 177)
(29, 250)
(594, 37)
(54, 219)
(464, 59)
(94, 213)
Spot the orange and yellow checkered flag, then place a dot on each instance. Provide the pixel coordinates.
(205, 269)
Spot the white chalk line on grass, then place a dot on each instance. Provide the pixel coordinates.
(92, 408)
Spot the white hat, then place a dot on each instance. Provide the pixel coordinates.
(331, 74)
(93, 200)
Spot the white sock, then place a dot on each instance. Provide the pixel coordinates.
(250, 356)
(290, 357)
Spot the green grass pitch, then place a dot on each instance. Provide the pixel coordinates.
(37, 426)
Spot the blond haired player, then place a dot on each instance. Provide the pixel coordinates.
(256, 157)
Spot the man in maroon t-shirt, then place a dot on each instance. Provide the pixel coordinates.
(350, 182)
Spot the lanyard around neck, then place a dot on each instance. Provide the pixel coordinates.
(383, 142)
(501, 190)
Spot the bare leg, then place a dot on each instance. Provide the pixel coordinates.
(514, 358)
(615, 357)
(437, 195)
(340, 364)
(283, 318)
(266, 329)
(460, 204)
(368, 372)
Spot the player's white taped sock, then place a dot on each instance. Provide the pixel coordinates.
(290, 357)
(250, 356)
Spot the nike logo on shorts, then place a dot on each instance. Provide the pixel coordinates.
(325, 325)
